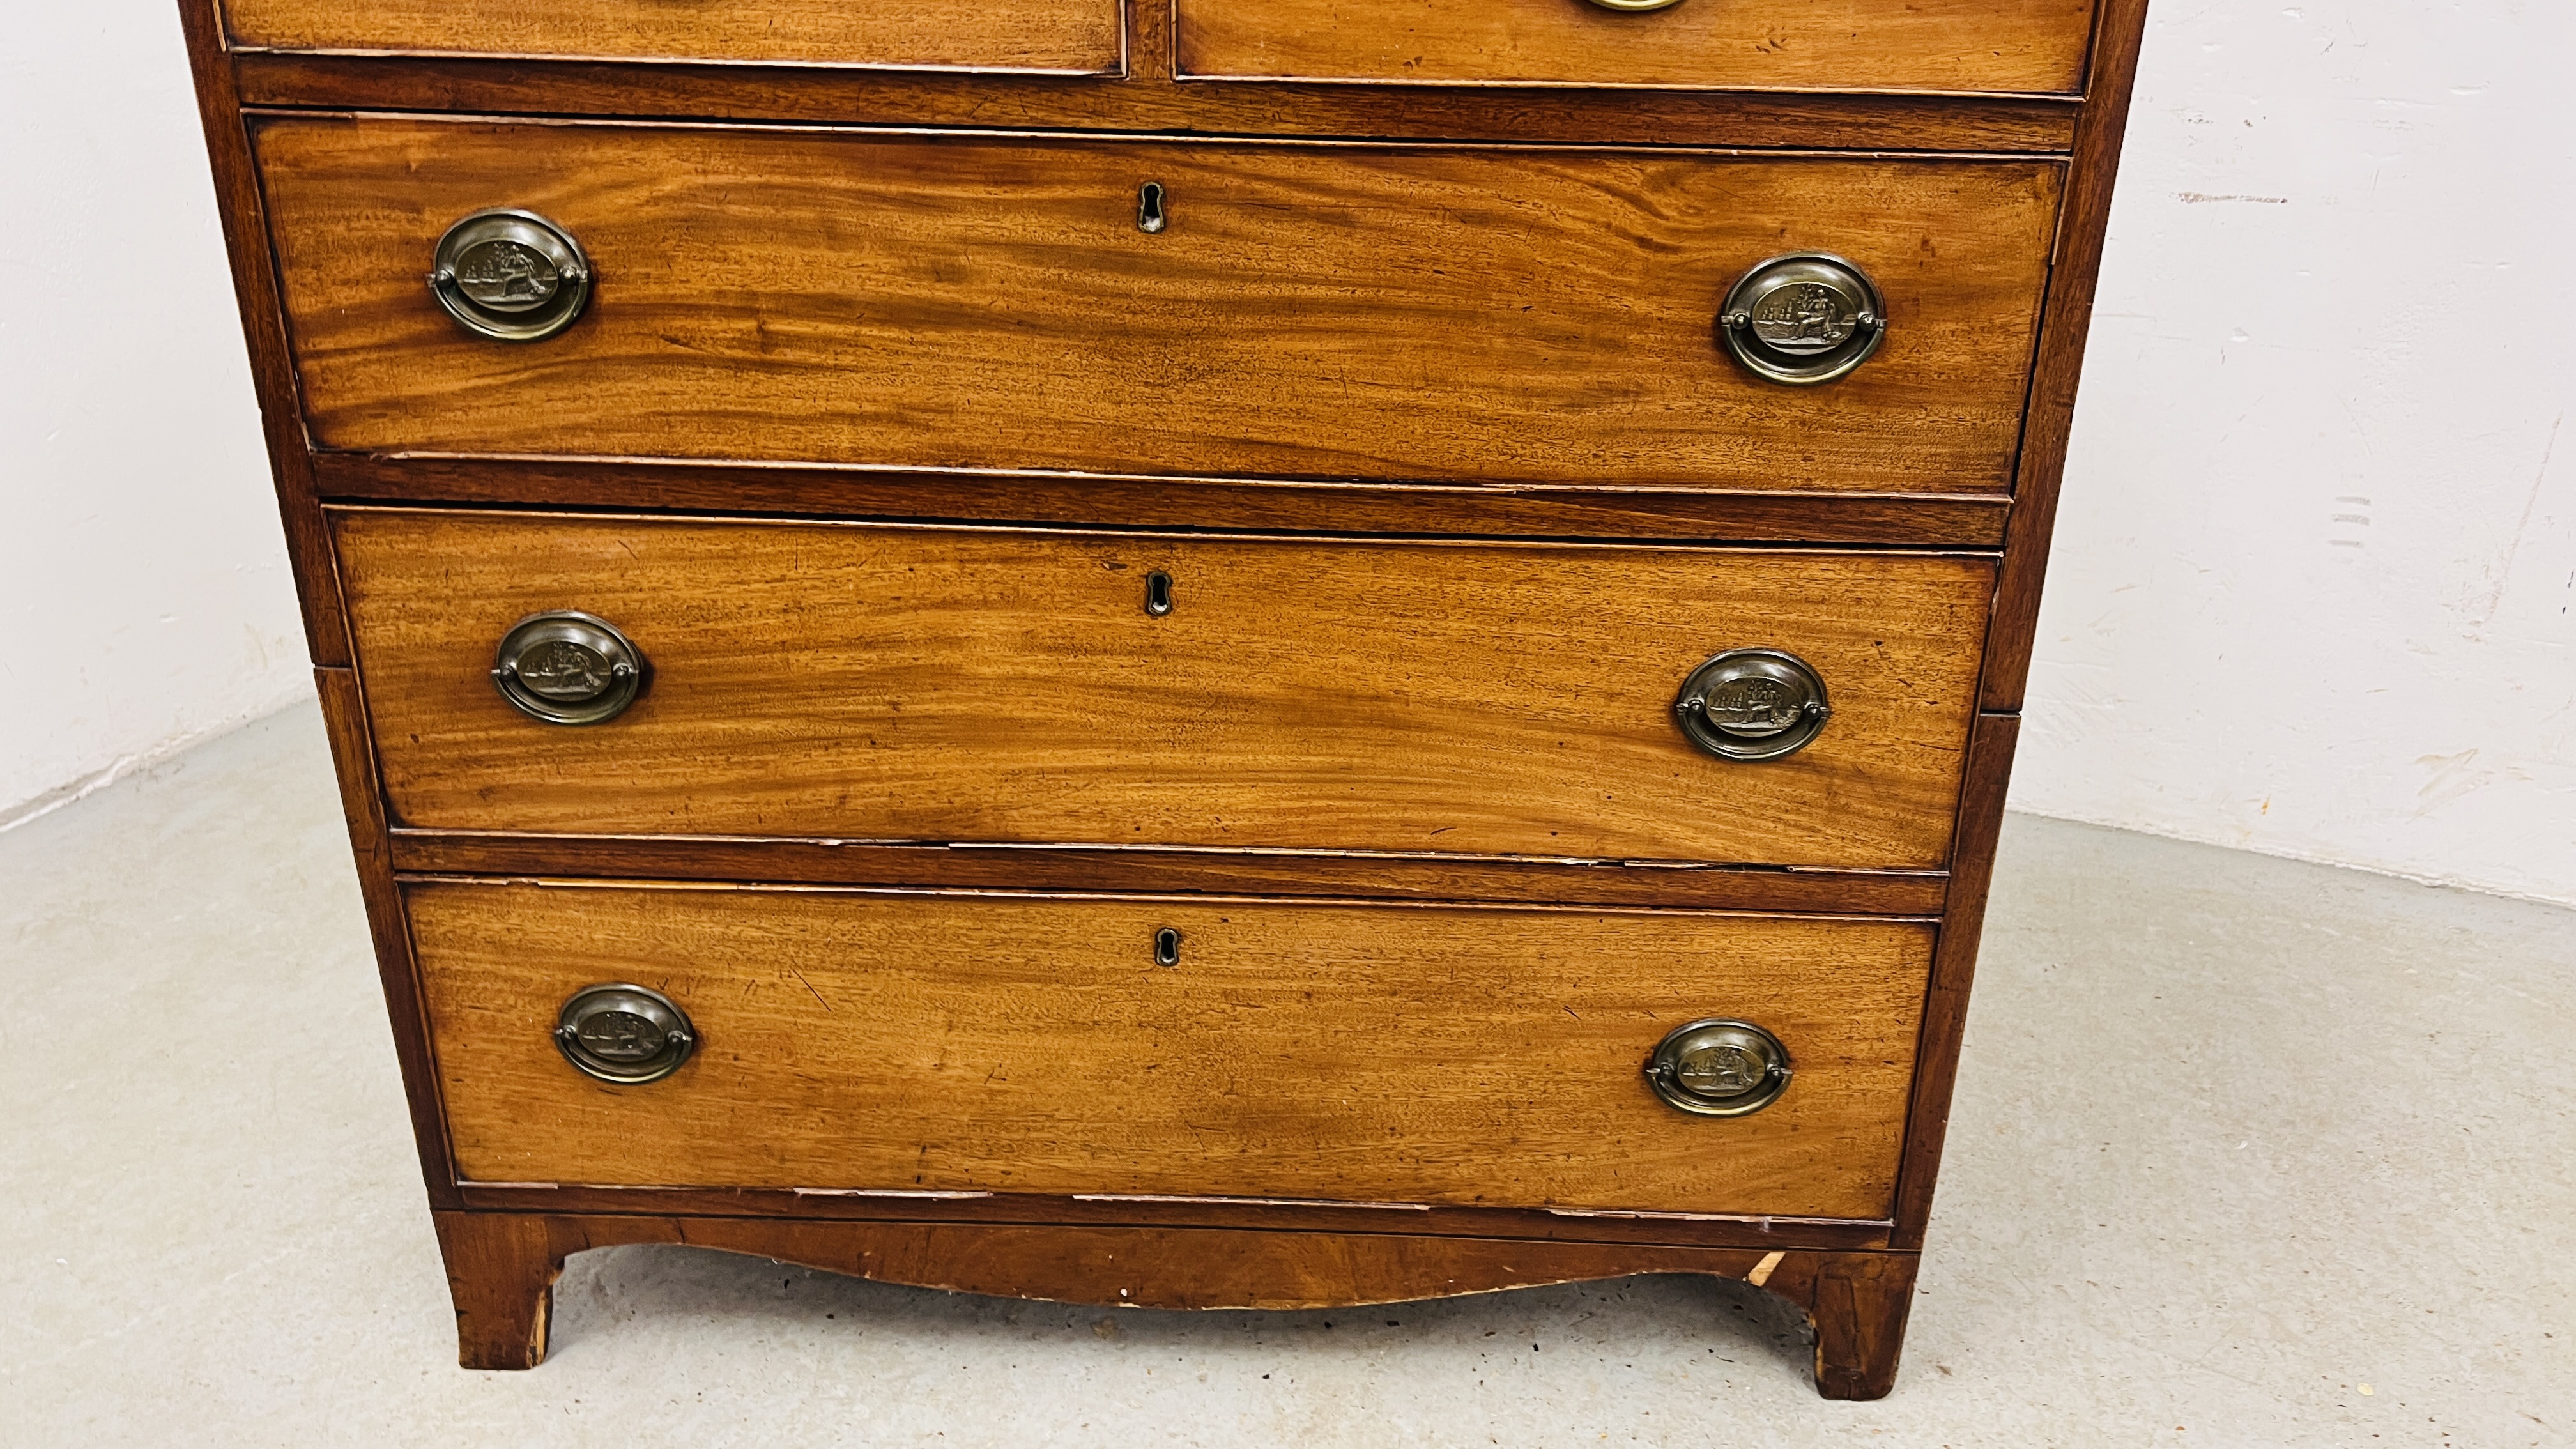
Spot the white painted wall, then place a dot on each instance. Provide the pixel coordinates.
(2314, 571)
(2316, 559)
(144, 597)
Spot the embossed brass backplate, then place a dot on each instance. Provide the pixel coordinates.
(1719, 1068)
(568, 668)
(512, 276)
(1753, 704)
(620, 1032)
(1803, 319)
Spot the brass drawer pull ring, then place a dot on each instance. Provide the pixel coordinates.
(568, 668)
(512, 276)
(1803, 319)
(1719, 1068)
(1753, 704)
(620, 1032)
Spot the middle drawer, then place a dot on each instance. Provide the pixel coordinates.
(994, 685)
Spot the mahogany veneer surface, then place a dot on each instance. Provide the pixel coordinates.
(486, 85)
(1081, 36)
(961, 301)
(952, 684)
(1881, 45)
(1373, 1053)
(885, 405)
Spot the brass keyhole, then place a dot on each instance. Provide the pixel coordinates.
(1158, 593)
(1167, 947)
(1149, 208)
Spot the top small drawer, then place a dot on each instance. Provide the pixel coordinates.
(1080, 37)
(2007, 46)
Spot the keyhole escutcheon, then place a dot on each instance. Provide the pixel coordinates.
(1167, 947)
(1149, 208)
(1158, 593)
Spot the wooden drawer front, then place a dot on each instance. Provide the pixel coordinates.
(2020, 46)
(1080, 36)
(1014, 1044)
(1532, 316)
(882, 682)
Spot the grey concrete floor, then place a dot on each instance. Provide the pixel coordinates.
(2245, 1153)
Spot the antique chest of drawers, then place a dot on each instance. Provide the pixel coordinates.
(1264, 653)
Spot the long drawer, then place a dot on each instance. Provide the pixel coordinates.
(1799, 45)
(1532, 316)
(931, 1043)
(1080, 36)
(950, 684)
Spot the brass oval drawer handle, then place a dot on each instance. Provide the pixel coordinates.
(512, 276)
(620, 1032)
(1753, 704)
(1719, 1067)
(1803, 319)
(1633, 7)
(568, 668)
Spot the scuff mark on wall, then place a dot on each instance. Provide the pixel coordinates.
(2452, 778)
(2521, 525)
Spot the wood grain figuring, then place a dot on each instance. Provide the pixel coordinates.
(887, 683)
(1237, 108)
(1970, 520)
(1463, 1056)
(501, 1272)
(1859, 1303)
(502, 1268)
(1301, 1215)
(1048, 35)
(1396, 875)
(1161, 1268)
(953, 301)
(1796, 45)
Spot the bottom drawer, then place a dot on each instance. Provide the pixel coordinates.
(1381, 1053)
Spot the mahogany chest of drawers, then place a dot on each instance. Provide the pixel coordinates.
(1266, 653)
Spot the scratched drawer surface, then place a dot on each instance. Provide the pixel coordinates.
(1081, 36)
(857, 681)
(1531, 316)
(887, 1042)
(2016, 46)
